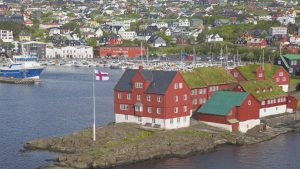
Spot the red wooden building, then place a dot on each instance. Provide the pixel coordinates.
(153, 98)
(258, 72)
(233, 111)
(204, 81)
(257, 43)
(272, 99)
(117, 51)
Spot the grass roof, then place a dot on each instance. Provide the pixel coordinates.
(249, 71)
(263, 86)
(204, 76)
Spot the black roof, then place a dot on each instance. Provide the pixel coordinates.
(159, 80)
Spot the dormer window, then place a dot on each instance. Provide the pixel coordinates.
(257, 91)
(271, 89)
(264, 90)
(280, 73)
(260, 74)
(138, 85)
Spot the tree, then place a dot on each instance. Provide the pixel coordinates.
(92, 42)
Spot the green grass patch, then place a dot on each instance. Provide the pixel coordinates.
(143, 134)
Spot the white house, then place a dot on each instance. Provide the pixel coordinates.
(6, 35)
(99, 33)
(128, 35)
(183, 23)
(285, 20)
(71, 52)
(295, 39)
(160, 24)
(278, 31)
(214, 38)
(54, 31)
(265, 18)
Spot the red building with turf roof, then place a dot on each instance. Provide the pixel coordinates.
(204, 81)
(153, 98)
(258, 72)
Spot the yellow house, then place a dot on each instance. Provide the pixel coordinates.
(23, 38)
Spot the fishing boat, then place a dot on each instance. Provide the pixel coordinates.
(22, 67)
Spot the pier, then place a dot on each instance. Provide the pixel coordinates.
(18, 80)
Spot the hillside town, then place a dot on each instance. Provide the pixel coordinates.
(132, 29)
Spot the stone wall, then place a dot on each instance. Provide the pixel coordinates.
(277, 120)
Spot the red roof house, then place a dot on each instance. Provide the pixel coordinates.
(154, 98)
(233, 111)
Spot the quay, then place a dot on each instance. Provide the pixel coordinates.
(18, 80)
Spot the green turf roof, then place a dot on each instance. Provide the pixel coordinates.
(253, 86)
(292, 56)
(249, 71)
(204, 76)
(222, 102)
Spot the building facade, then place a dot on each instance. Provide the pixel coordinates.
(118, 51)
(152, 98)
(70, 52)
(6, 35)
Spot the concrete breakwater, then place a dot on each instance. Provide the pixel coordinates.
(119, 144)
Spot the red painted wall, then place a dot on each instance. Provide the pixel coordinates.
(166, 104)
(292, 103)
(237, 75)
(121, 50)
(212, 118)
(248, 112)
(280, 79)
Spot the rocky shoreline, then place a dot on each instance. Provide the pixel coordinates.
(119, 144)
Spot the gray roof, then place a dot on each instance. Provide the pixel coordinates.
(159, 80)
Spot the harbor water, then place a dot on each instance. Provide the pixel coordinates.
(62, 103)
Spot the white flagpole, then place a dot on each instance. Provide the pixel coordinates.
(94, 125)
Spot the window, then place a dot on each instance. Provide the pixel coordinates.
(176, 98)
(249, 102)
(123, 107)
(260, 74)
(176, 86)
(204, 91)
(235, 74)
(200, 91)
(184, 108)
(139, 119)
(184, 119)
(278, 100)
(126, 117)
(263, 103)
(284, 79)
(279, 62)
(175, 109)
(138, 108)
(119, 95)
(194, 92)
(158, 99)
(280, 73)
(185, 97)
(158, 110)
(138, 85)
(149, 109)
(138, 97)
(148, 98)
(153, 120)
(128, 96)
(194, 101)
(171, 121)
(180, 85)
(178, 119)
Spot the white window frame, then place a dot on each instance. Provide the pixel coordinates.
(149, 109)
(138, 85)
(184, 108)
(185, 97)
(149, 98)
(159, 99)
(175, 109)
(138, 108)
(158, 110)
(176, 98)
(128, 96)
(180, 85)
(119, 95)
(138, 97)
(175, 85)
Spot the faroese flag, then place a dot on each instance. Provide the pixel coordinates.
(101, 75)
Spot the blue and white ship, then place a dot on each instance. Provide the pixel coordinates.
(22, 67)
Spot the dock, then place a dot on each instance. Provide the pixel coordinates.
(19, 80)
